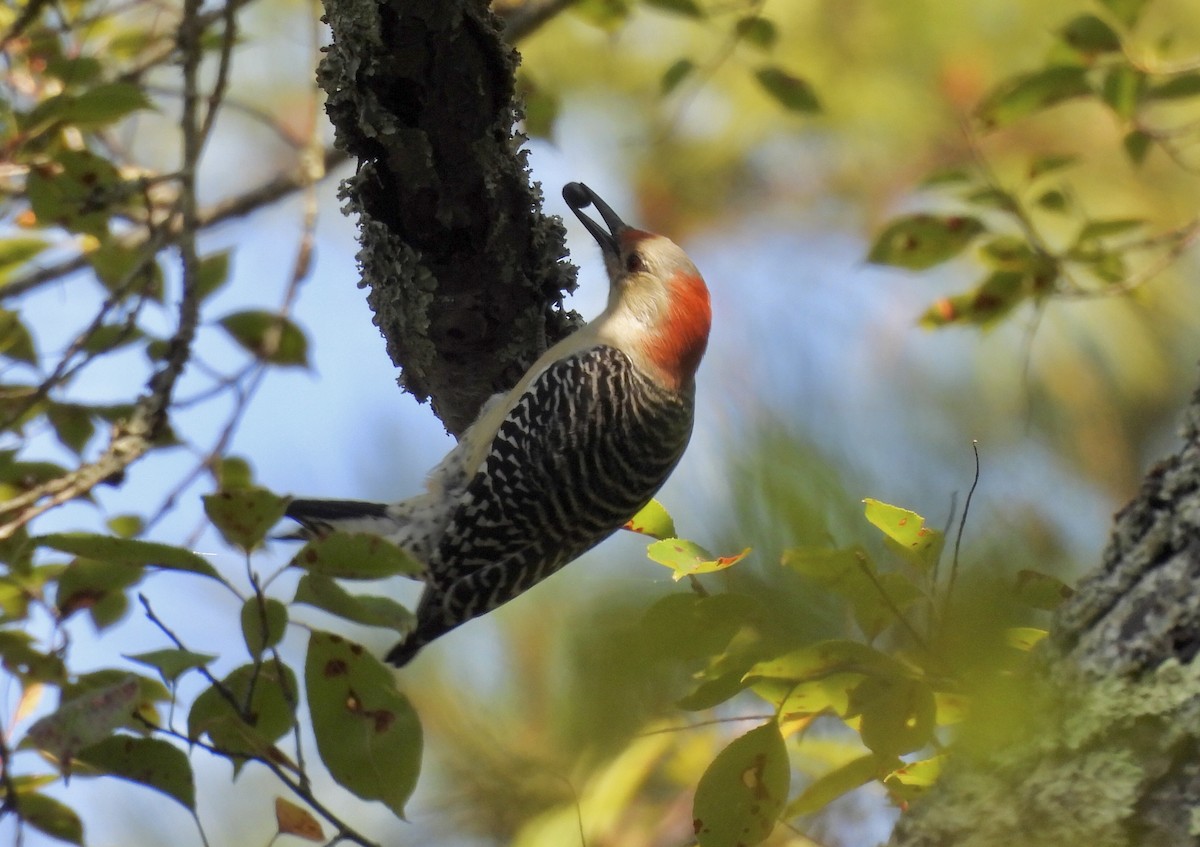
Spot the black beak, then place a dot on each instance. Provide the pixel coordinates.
(579, 197)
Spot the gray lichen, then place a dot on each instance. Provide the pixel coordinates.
(1100, 743)
(465, 274)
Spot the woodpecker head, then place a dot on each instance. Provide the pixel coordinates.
(657, 300)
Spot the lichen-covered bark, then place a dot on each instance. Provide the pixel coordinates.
(1101, 743)
(463, 271)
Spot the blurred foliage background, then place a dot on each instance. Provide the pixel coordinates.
(775, 139)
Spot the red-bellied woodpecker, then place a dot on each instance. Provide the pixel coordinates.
(564, 459)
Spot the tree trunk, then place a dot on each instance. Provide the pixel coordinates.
(1100, 744)
(464, 271)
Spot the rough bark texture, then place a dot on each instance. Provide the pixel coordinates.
(1101, 745)
(464, 272)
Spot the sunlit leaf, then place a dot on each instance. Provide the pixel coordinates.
(912, 779)
(788, 90)
(1024, 638)
(921, 241)
(150, 761)
(367, 732)
(126, 526)
(268, 336)
(1028, 93)
(653, 520)
(687, 558)
(743, 791)
(825, 658)
(244, 515)
(294, 820)
(821, 792)
(921, 544)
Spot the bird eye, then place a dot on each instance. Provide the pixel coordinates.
(633, 263)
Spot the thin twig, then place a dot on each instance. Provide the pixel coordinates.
(961, 526)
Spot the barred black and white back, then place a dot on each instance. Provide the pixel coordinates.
(586, 446)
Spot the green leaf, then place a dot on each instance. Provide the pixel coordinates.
(1043, 165)
(820, 793)
(756, 30)
(1028, 93)
(687, 558)
(851, 574)
(1024, 638)
(15, 340)
(233, 472)
(897, 715)
(1124, 87)
(688, 626)
(999, 293)
(912, 779)
(73, 192)
(1109, 227)
(126, 526)
(244, 515)
(920, 544)
(355, 555)
(72, 425)
(1053, 200)
(679, 71)
(212, 273)
(654, 520)
(84, 720)
(264, 621)
(1178, 87)
(104, 105)
(172, 663)
(947, 176)
(1137, 145)
(789, 91)
(1041, 590)
(270, 713)
(713, 691)
(688, 8)
(921, 241)
(127, 551)
(1125, 11)
(743, 791)
(51, 817)
(367, 732)
(541, 107)
(268, 336)
(150, 761)
(1089, 35)
(609, 15)
(323, 593)
(98, 587)
(126, 271)
(826, 658)
(15, 253)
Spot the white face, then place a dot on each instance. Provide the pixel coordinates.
(641, 274)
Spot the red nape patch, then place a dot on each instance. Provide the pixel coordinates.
(683, 336)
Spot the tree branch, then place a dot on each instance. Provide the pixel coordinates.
(463, 269)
